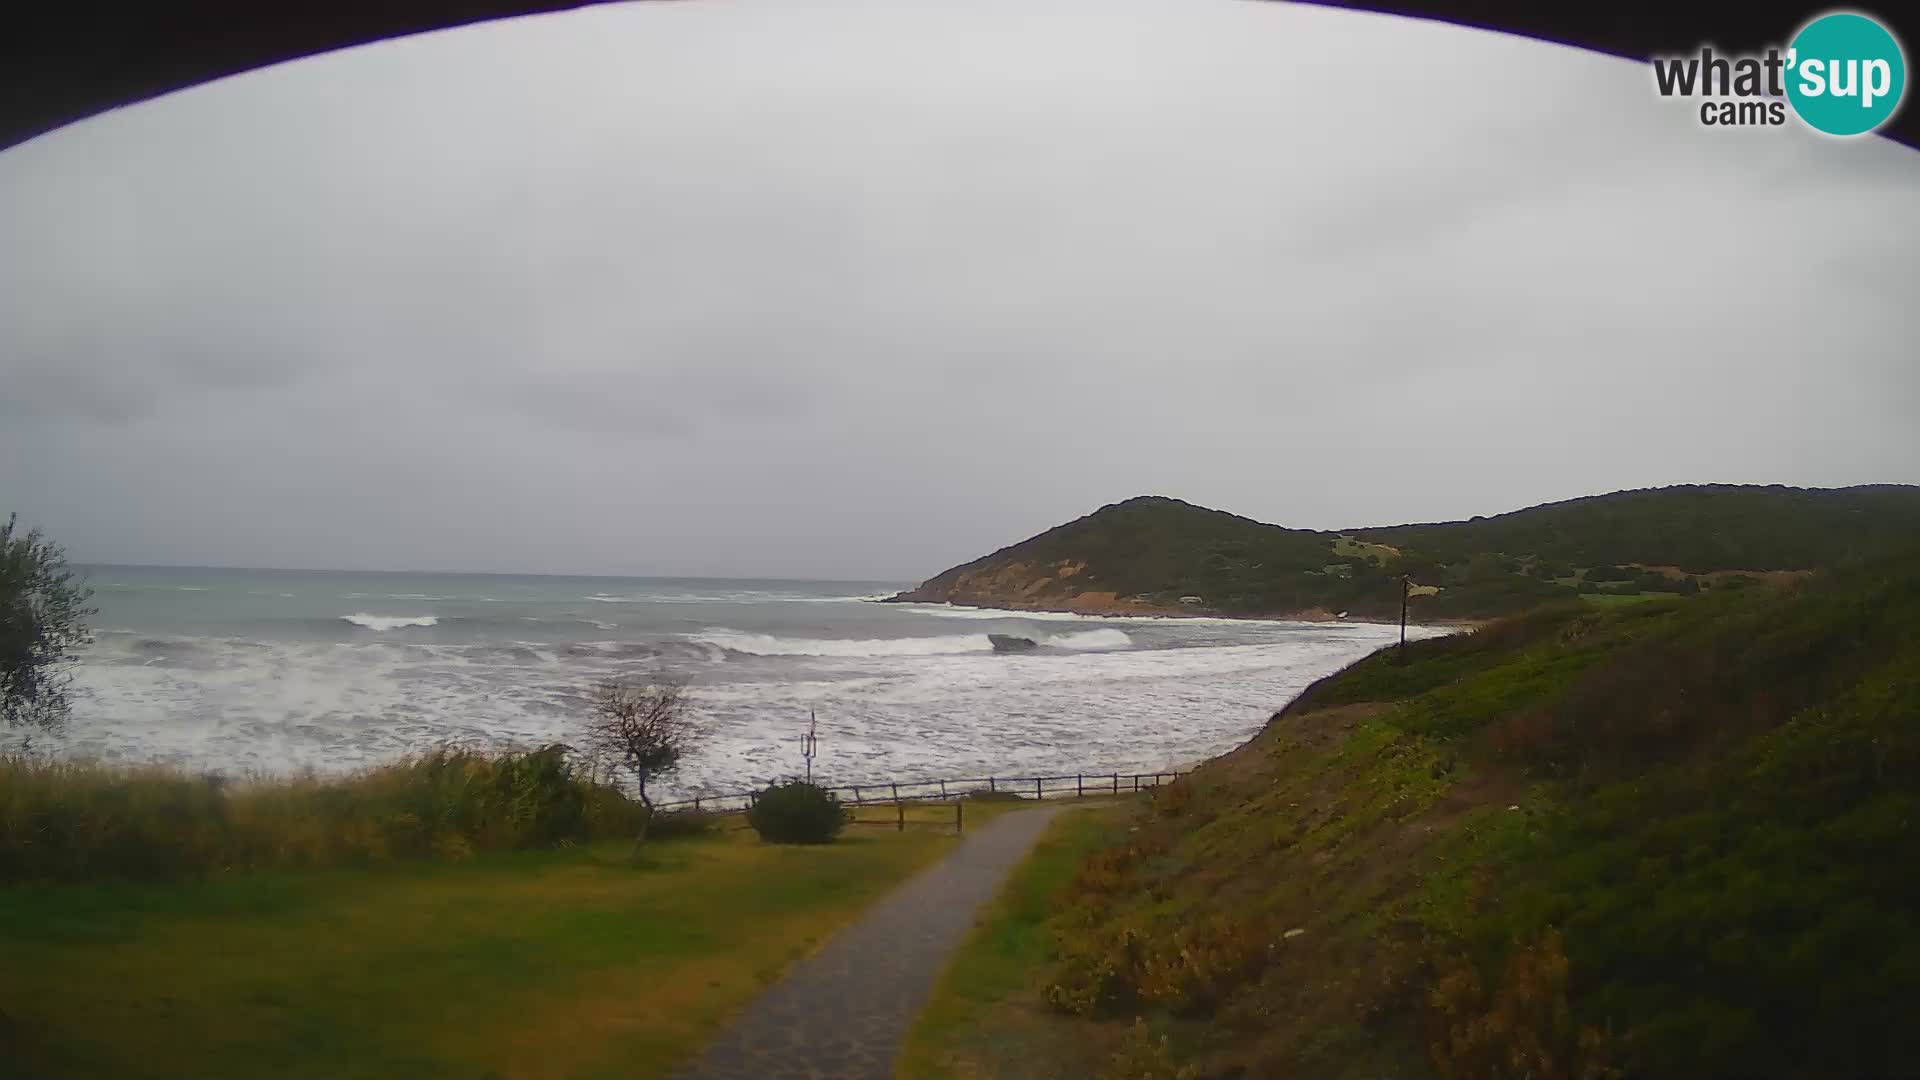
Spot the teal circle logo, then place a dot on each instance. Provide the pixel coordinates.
(1845, 74)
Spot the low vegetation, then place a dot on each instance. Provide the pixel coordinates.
(579, 962)
(1681, 540)
(67, 819)
(797, 812)
(1663, 839)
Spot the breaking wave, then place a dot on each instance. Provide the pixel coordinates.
(389, 622)
(740, 641)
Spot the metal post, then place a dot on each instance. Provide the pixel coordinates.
(1136, 783)
(809, 744)
(1406, 586)
(1116, 783)
(1036, 788)
(896, 792)
(902, 808)
(943, 789)
(696, 804)
(992, 784)
(1080, 785)
(959, 815)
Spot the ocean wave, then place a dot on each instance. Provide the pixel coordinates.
(740, 641)
(598, 625)
(415, 596)
(1088, 640)
(389, 622)
(958, 611)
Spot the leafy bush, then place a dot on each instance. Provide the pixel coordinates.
(797, 812)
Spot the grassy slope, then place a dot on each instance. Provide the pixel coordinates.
(569, 963)
(1162, 549)
(1708, 872)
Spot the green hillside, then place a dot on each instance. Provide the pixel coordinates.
(1694, 528)
(1669, 839)
(1155, 553)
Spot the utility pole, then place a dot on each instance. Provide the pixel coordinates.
(1406, 586)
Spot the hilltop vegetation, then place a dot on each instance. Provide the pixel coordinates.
(1159, 554)
(1668, 839)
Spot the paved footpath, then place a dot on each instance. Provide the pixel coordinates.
(842, 1013)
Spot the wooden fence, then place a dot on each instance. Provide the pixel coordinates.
(898, 795)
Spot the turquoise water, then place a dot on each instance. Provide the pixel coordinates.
(274, 670)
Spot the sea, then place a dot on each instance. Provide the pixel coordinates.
(249, 672)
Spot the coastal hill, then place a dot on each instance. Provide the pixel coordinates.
(1662, 839)
(1160, 555)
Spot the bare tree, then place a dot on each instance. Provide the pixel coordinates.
(644, 729)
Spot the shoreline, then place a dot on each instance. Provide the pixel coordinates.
(1177, 611)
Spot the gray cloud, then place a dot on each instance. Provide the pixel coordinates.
(848, 288)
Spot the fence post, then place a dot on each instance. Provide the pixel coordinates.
(992, 784)
(1136, 783)
(896, 792)
(1116, 783)
(902, 808)
(1079, 785)
(943, 789)
(1036, 789)
(696, 804)
(959, 816)
(856, 793)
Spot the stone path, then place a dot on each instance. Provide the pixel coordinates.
(842, 1013)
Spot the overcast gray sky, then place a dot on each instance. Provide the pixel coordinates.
(833, 288)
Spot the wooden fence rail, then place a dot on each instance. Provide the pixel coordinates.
(901, 792)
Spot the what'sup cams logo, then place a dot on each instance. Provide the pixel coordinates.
(1842, 74)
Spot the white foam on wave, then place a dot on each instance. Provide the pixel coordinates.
(1089, 640)
(415, 596)
(389, 622)
(236, 705)
(942, 645)
(598, 625)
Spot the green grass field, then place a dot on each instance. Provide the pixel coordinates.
(569, 963)
(974, 1013)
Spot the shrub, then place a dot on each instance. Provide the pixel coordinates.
(797, 812)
